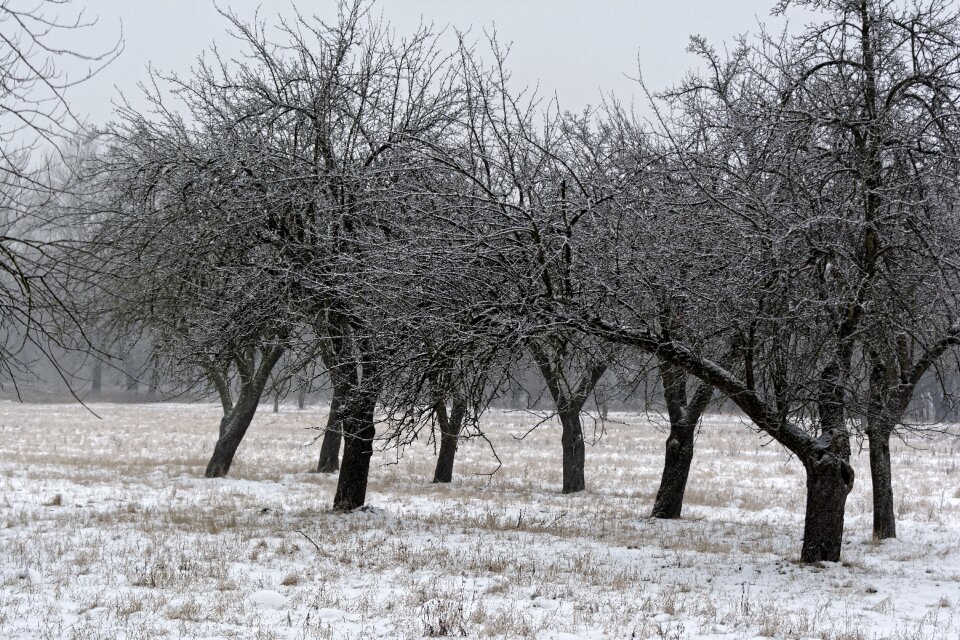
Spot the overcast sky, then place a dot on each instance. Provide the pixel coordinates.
(576, 49)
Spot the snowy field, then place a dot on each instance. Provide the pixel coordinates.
(107, 531)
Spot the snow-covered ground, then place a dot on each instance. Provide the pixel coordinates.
(108, 531)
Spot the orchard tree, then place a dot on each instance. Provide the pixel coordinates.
(652, 205)
(348, 103)
(752, 288)
(876, 86)
(536, 180)
(207, 293)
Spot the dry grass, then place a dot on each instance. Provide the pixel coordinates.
(107, 531)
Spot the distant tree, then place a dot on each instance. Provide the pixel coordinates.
(37, 131)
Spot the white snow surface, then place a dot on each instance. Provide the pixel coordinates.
(268, 599)
(108, 530)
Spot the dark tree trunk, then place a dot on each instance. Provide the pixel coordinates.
(889, 398)
(569, 403)
(96, 386)
(574, 452)
(684, 417)
(234, 425)
(449, 438)
(443, 473)
(884, 519)
(351, 365)
(330, 447)
(829, 480)
(224, 422)
(232, 429)
(829, 474)
(358, 433)
(301, 399)
(676, 469)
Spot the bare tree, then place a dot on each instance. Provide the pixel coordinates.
(876, 83)
(534, 181)
(37, 130)
(802, 157)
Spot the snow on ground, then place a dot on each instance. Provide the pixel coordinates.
(108, 531)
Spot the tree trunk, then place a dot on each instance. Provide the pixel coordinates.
(96, 386)
(224, 423)
(449, 439)
(330, 447)
(234, 425)
(574, 453)
(888, 402)
(684, 417)
(569, 402)
(358, 433)
(232, 429)
(884, 519)
(130, 373)
(829, 480)
(829, 474)
(676, 469)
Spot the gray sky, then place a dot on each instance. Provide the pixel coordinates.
(577, 49)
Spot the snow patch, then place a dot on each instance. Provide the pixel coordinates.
(268, 599)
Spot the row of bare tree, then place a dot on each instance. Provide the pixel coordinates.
(781, 233)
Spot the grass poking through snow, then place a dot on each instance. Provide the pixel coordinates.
(107, 530)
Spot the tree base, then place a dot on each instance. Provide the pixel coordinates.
(829, 481)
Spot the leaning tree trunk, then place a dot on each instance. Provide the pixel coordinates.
(676, 469)
(234, 426)
(884, 519)
(358, 433)
(330, 447)
(684, 417)
(232, 430)
(449, 438)
(829, 480)
(574, 451)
